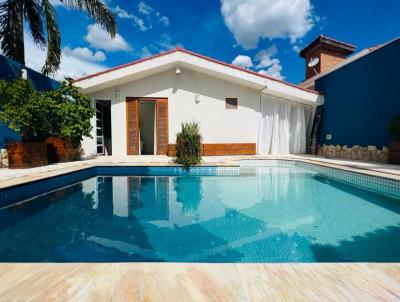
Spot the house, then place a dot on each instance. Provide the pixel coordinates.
(361, 95)
(141, 105)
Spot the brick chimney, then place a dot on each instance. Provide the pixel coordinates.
(327, 52)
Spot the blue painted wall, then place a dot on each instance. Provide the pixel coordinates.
(10, 70)
(361, 98)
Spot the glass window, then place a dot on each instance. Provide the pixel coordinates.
(99, 149)
(231, 103)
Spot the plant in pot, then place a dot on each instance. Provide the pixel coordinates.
(25, 111)
(189, 145)
(71, 112)
(394, 146)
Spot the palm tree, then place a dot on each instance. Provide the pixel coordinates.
(40, 16)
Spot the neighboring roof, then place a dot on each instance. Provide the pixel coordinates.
(344, 47)
(185, 58)
(311, 81)
(10, 70)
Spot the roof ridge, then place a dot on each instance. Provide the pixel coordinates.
(180, 49)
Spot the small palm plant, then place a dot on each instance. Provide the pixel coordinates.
(189, 145)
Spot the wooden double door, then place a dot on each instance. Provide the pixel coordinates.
(133, 129)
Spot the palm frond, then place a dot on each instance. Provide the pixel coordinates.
(11, 29)
(98, 11)
(41, 18)
(53, 57)
(33, 15)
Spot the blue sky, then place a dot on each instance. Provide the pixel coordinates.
(263, 35)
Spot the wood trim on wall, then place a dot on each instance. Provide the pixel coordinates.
(162, 126)
(171, 150)
(132, 126)
(222, 149)
(229, 149)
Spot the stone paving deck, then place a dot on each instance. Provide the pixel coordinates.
(199, 282)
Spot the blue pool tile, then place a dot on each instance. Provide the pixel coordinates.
(279, 211)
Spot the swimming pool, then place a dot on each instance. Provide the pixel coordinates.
(270, 211)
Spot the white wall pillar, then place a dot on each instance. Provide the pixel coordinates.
(118, 126)
(88, 143)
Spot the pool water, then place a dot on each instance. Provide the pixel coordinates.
(275, 213)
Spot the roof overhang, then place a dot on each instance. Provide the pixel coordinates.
(328, 43)
(185, 59)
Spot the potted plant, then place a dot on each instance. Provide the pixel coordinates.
(51, 123)
(189, 145)
(394, 146)
(25, 111)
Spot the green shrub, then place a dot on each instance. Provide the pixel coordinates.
(71, 112)
(24, 110)
(394, 127)
(36, 115)
(189, 145)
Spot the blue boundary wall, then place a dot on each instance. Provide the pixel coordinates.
(9, 71)
(361, 98)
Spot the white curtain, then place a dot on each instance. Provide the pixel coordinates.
(283, 126)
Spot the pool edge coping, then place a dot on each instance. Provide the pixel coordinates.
(26, 179)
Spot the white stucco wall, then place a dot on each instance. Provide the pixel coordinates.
(217, 124)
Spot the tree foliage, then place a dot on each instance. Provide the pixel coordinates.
(189, 145)
(35, 115)
(71, 112)
(24, 110)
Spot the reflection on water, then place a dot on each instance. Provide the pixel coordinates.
(105, 204)
(268, 214)
(42, 234)
(188, 192)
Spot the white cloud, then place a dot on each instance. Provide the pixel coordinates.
(71, 66)
(139, 22)
(250, 21)
(164, 20)
(150, 13)
(274, 71)
(98, 38)
(84, 53)
(145, 52)
(123, 14)
(296, 48)
(165, 43)
(243, 61)
(267, 64)
(264, 57)
(144, 8)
